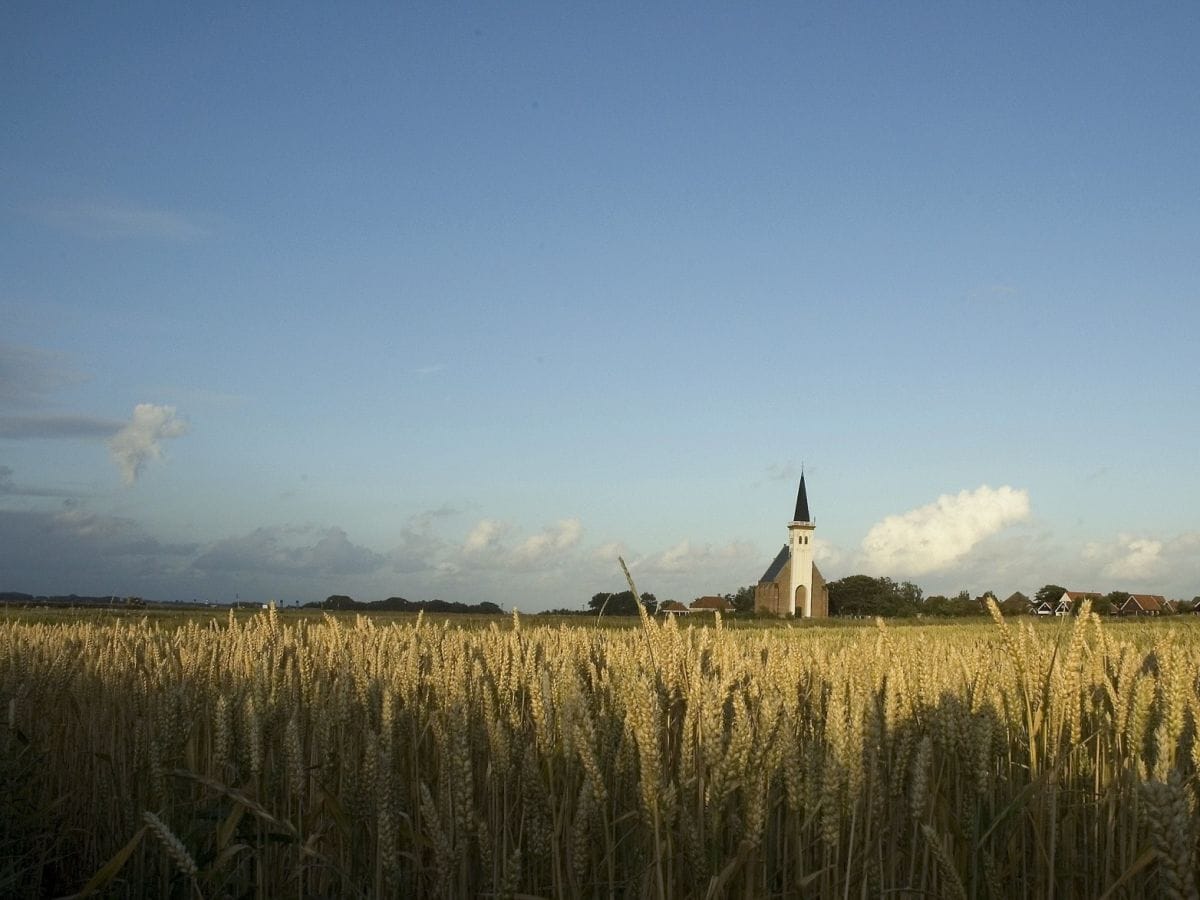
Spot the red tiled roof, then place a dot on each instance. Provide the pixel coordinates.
(711, 603)
(1148, 602)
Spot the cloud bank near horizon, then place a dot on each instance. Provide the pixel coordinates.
(1140, 561)
(74, 549)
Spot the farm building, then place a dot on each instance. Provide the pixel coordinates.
(711, 604)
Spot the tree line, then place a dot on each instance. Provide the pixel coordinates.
(865, 595)
(399, 604)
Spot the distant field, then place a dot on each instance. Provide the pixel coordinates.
(175, 618)
(172, 753)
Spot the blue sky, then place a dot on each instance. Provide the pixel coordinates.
(465, 301)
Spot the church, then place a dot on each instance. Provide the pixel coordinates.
(792, 584)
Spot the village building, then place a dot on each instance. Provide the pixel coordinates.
(711, 604)
(983, 599)
(792, 584)
(672, 606)
(1144, 605)
(1070, 601)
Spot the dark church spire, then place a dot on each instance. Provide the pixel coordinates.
(802, 503)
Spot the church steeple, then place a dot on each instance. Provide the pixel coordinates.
(800, 548)
(802, 514)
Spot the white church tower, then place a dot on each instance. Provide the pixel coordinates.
(800, 533)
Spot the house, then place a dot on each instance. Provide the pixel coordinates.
(1045, 608)
(792, 584)
(1144, 605)
(673, 606)
(983, 599)
(1069, 602)
(711, 604)
(1015, 603)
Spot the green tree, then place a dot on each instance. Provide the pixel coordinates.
(622, 604)
(862, 595)
(937, 605)
(743, 599)
(1051, 592)
(1110, 603)
(982, 599)
(1015, 605)
(956, 607)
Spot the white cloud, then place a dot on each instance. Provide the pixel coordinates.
(139, 442)
(826, 551)
(698, 559)
(549, 542)
(608, 552)
(486, 546)
(942, 533)
(420, 549)
(484, 536)
(1129, 557)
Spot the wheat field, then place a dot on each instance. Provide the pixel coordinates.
(274, 758)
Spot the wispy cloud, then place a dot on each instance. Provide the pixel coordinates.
(115, 221)
(10, 488)
(991, 292)
(940, 534)
(24, 428)
(140, 440)
(783, 472)
(28, 375)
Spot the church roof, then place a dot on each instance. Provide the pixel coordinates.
(776, 567)
(802, 514)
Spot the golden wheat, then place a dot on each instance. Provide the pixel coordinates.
(274, 755)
